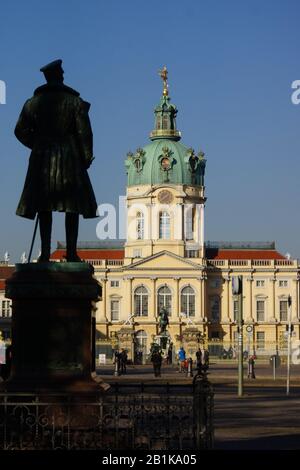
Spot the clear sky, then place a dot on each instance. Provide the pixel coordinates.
(231, 64)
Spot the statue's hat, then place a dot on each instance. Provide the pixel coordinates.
(56, 64)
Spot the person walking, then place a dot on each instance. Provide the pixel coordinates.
(123, 360)
(206, 360)
(199, 360)
(117, 362)
(170, 354)
(156, 359)
(181, 358)
(251, 372)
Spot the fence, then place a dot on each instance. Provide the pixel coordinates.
(263, 349)
(127, 417)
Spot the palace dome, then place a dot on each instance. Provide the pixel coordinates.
(165, 159)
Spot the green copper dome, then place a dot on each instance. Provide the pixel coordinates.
(165, 159)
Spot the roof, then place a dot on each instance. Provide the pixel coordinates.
(211, 253)
(145, 166)
(5, 273)
(216, 253)
(111, 244)
(91, 254)
(240, 245)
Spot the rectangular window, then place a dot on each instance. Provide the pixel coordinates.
(114, 309)
(114, 283)
(137, 253)
(260, 340)
(235, 310)
(5, 309)
(260, 310)
(192, 253)
(283, 310)
(260, 283)
(283, 283)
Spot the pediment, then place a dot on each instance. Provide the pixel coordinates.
(164, 260)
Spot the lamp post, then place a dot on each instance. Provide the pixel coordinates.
(237, 289)
(289, 345)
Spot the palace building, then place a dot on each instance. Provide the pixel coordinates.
(164, 262)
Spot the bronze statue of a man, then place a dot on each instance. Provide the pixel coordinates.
(163, 320)
(55, 125)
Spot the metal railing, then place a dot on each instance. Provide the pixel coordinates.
(129, 416)
(262, 349)
(247, 263)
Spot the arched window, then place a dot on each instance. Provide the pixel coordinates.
(140, 225)
(164, 225)
(188, 301)
(164, 299)
(189, 226)
(215, 308)
(141, 301)
(158, 121)
(138, 164)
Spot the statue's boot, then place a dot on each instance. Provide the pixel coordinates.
(45, 222)
(72, 224)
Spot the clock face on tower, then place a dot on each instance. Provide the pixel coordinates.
(165, 197)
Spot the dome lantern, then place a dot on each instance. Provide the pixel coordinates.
(165, 114)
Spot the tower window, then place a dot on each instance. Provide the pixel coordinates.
(189, 222)
(164, 225)
(140, 226)
(165, 122)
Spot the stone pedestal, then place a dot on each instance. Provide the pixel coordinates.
(52, 327)
(191, 341)
(126, 341)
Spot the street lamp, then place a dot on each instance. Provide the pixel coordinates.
(289, 345)
(237, 289)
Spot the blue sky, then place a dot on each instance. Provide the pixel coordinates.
(231, 65)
